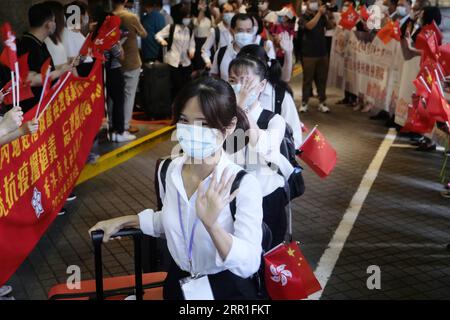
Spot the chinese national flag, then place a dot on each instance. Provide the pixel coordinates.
(421, 89)
(437, 106)
(9, 54)
(419, 120)
(46, 67)
(288, 275)
(364, 13)
(444, 57)
(25, 93)
(387, 33)
(349, 18)
(433, 28)
(318, 154)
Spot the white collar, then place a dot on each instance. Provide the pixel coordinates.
(178, 163)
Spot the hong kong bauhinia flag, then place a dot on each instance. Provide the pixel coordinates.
(349, 18)
(9, 54)
(318, 154)
(288, 275)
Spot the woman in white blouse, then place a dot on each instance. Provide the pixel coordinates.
(262, 156)
(196, 219)
(179, 42)
(202, 26)
(54, 43)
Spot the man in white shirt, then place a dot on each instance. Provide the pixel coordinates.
(242, 28)
(222, 30)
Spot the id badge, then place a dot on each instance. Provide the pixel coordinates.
(196, 288)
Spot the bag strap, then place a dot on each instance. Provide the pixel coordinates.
(171, 36)
(220, 56)
(236, 183)
(161, 177)
(264, 119)
(217, 33)
(280, 93)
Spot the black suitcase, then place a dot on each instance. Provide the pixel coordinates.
(156, 90)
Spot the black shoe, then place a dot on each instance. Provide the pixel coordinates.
(382, 115)
(71, 197)
(343, 101)
(62, 212)
(426, 147)
(419, 142)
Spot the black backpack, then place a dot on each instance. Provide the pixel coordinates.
(295, 186)
(172, 34)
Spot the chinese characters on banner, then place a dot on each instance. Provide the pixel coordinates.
(37, 172)
(363, 65)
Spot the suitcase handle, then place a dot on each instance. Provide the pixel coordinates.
(97, 240)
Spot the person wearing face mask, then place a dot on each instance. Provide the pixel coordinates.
(403, 11)
(202, 26)
(204, 237)
(178, 40)
(314, 24)
(54, 42)
(262, 156)
(243, 30)
(73, 38)
(220, 36)
(412, 27)
(263, 8)
(390, 8)
(42, 24)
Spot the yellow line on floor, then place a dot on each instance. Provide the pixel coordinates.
(125, 153)
(298, 70)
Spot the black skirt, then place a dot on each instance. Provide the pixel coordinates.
(225, 285)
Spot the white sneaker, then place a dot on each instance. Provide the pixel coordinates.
(113, 137)
(125, 137)
(5, 290)
(304, 108)
(323, 108)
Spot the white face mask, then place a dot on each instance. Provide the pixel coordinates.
(243, 39)
(401, 11)
(227, 17)
(252, 98)
(186, 21)
(221, 2)
(314, 6)
(198, 142)
(304, 7)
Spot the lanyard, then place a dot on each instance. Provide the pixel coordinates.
(191, 240)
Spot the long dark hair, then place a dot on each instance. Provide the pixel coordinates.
(217, 102)
(274, 71)
(99, 15)
(58, 11)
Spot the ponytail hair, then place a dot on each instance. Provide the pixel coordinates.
(274, 68)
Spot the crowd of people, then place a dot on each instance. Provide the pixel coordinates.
(230, 63)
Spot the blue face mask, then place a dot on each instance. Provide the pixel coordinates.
(253, 97)
(198, 142)
(227, 17)
(243, 39)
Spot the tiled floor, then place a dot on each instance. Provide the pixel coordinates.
(403, 227)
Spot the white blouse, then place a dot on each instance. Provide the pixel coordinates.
(57, 52)
(288, 111)
(202, 28)
(182, 44)
(255, 159)
(245, 255)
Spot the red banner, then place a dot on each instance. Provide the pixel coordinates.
(38, 172)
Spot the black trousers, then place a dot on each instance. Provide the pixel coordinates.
(225, 285)
(179, 77)
(115, 84)
(274, 209)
